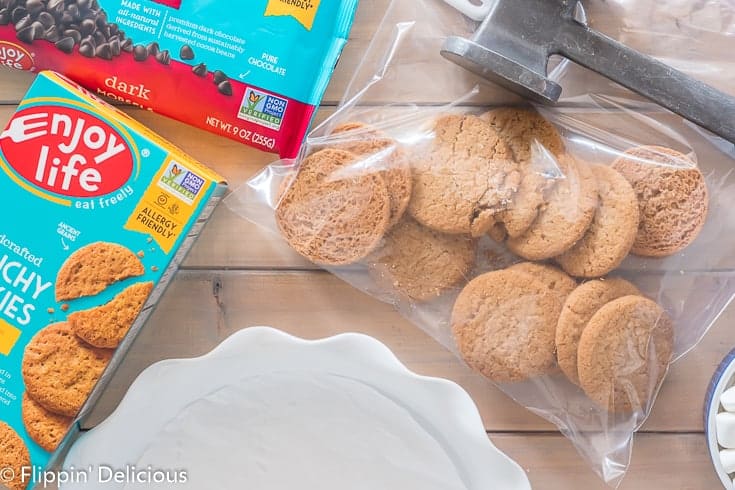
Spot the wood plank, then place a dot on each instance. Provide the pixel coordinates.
(201, 308)
(233, 242)
(660, 461)
(418, 57)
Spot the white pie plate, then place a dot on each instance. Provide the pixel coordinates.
(442, 408)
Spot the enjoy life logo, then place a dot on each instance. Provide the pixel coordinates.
(66, 151)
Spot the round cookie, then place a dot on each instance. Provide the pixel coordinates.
(60, 370)
(672, 197)
(578, 309)
(464, 178)
(565, 218)
(612, 232)
(422, 263)
(504, 322)
(383, 153)
(535, 143)
(624, 353)
(92, 268)
(44, 427)
(105, 326)
(333, 214)
(14, 455)
(556, 280)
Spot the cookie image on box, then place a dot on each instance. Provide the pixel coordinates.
(504, 323)
(92, 268)
(565, 218)
(60, 370)
(579, 308)
(381, 153)
(624, 353)
(535, 144)
(14, 455)
(105, 326)
(464, 178)
(612, 232)
(421, 263)
(334, 213)
(672, 196)
(44, 427)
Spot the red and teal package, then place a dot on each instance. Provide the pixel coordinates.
(252, 71)
(100, 212)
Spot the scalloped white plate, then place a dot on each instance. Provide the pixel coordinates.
(354, 367)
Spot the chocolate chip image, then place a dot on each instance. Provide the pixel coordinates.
(114, 29)
(53, 35)
(27, 34)
(73, 34)
(225, 87)
(55, 7)
(73, 12)
(99, 37)
(89, 40)
(87, 27)
(84, 4)
(23, 23)
(35, 7)
(127, 45)
(186, 53)
(17, 14)
(153, 49)
(219, 76)
(87, 50)
(164, 57)
(46, 19)
(66, 45)
(140, 53)
(115, 46)
(103, 51)
(200, 70)
(4, 17)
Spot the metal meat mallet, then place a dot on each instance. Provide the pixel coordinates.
(516, 38)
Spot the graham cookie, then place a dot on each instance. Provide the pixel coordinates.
(536, 144)
(60, 370)
(565, 218)
(333, 213)
(578, 309)
(93, 267)
(44, 427)
(381, 153)
(421, 263)
(14, 455)
(612, 232)
(464, 179)
(105, 326)
(555, 279)
(624, 353)
(504, 323)
(672, 196)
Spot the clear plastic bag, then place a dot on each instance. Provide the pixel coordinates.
(411, 199)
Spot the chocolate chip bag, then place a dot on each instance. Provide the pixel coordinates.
(253, 72)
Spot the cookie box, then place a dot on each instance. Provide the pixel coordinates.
(99, 212)
(254, 72)
(719, 420)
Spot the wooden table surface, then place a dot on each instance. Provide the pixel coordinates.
(239, 275)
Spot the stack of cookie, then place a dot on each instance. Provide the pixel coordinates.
(64, 361)
(413, 216)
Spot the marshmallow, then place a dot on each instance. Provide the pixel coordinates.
(727, 399)
(727, 458)
(725, 422)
